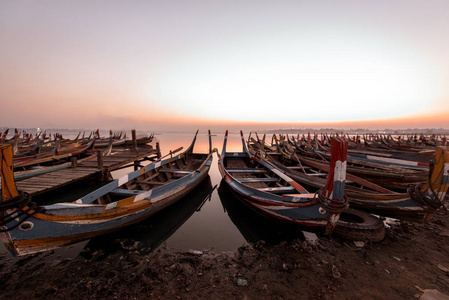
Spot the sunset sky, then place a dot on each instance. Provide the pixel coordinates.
(182, 65)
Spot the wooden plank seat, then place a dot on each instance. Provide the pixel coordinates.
(177, 171)
(279, 189)
(264, 179)
(150, 182)
(152, 176)
(125, 193)
(261, 171)
(298, 168)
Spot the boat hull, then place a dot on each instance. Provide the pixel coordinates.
(124, 201)
(47, 235)
(271, 192)
(308, 214)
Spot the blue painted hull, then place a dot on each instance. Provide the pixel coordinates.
(271, 192)
(109, 208)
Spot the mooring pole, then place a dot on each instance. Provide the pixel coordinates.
(158, 148)
(100, 159)
(74, 162)
(133, 134)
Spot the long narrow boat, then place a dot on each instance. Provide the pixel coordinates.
(420, 202)
(26, 228)
(155, 230)
(60, 155)
(254, 226)
(314, 176)
(144, 140)
(3, 136)
(392, 177)
(59, 163)
(269, 191)
(104, 142)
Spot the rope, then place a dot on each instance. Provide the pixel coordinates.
(20, 201)
(332, 205)
(426, 202)
(23, 206)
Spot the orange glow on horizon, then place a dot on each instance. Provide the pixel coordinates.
(155, 66)
(170, 122)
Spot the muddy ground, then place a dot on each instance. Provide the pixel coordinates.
(412, 259)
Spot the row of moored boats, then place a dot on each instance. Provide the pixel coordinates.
(40, 153)
(333, 184)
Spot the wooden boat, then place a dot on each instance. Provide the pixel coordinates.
(26, 228)
(155, 230)
(117, 140)
(58, 162)
(311, 175)
(3, 136)
(419, 203)
(52, 158)
(352, 224)
(269, 191)
(31, 149)
(392, 177)
(144, 140)
(253, 226)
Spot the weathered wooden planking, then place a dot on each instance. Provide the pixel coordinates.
(110, 164)
(53, 180)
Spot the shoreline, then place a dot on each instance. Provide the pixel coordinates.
(412, 260)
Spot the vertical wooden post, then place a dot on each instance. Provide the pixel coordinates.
(134, 141)
(100, 159)
(74, 162)
(133, 134)
(158, 148)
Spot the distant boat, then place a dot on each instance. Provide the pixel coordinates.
(46, 165)
(117, 140)
(141, 140)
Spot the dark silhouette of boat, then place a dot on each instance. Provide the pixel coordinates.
(256, 227)
(149, 234)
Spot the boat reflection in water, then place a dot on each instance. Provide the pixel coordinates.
(253, 226)
(149, 234)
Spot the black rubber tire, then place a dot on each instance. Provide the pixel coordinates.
(358, 225)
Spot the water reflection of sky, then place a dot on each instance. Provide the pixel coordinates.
(214, 226)
(210, 227)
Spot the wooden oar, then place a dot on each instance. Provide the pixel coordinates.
(171, 153)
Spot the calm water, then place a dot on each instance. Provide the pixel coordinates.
(208, 218)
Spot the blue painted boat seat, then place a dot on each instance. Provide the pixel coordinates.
(247, 170)
(125, 193)
(264, 179)
(177, 171)
(279, 189)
